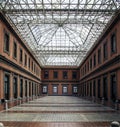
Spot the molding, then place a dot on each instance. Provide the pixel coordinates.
(55, 84)
(15, 66)
(59, 81)
(60, 68)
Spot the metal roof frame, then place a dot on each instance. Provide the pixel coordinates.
(59, 32)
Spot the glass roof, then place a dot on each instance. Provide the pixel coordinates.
(59, 32)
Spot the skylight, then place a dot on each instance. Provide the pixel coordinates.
(59, 32)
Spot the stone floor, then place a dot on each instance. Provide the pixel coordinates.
(59, 111)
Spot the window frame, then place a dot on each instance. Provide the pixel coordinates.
(99, 87)
(94, 60)
(54, 85)
(91, 63)
(55, 74)
(65, 74)
(99, 56)
(25, 60)
(29, 62)
(111, 43)
(21, 87)
(74, 74)
(65, 86)
(105, 51)
(46, 74)
(5, 43)
(105, 88)
(21, 55)
(7, 96)
(46, 89)
(113, 87)
(75, 87)
(26, 88)
(15, 87)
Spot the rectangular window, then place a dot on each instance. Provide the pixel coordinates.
(83, 71)
(94, 60)
(55, 74)
(105, 51)
(85, 68)
(94, 88)
(65, 89)
(44, 89)
(21, 55)
(99, 88)
(99, 56)
(21, 87)
(91, 63)
(6, 42)
(32, 65)
(88, 65)
(113, 43)
(6, 86)
(25, 60)
(91, 88)
(84, 89)
(46, 74)
(113, 87)
(15, 87)
(33, 88)
(30, 92)
(29, 63)
(34, 68)
(26, 88)
(105, 88)
(74, 75)
(55, 89)
(75, 89)
(65, 75)
(87, 89)
(15, 50)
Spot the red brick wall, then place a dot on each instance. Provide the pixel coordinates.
(12, 66)
(106, 68)
(60, 81)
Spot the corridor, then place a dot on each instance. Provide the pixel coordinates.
(59, 111)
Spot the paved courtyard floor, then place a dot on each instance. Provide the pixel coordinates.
(59, 111)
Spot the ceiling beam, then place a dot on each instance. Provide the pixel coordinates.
(9, 11)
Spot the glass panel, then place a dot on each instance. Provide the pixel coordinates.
(99, 87)
(46, 74)
(6, 42)
(54, 89)
(65, 89)
(113, 87)
(26, 88)
(105, 88)
(75, 89)
(6, 87)
(44, 89)
(113, 43)
(21, 87)
(15, 87)
(15, 50)
(65, 74)
(59, 32)
(29, 88)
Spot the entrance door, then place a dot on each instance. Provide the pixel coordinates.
(75, 89)
(65, 89)
(55, 89)
(44, 90)
(6, 87)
